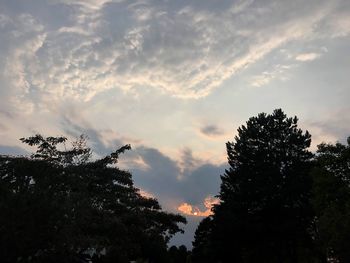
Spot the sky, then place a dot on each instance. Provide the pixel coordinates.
(173, 78)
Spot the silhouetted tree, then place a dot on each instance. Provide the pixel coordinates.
(331, 200)
(264, 214)
(202, 251)
(60, 206)
(178, 254)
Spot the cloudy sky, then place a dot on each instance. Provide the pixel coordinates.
(174, 78)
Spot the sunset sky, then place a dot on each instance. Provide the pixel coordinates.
(173, 78)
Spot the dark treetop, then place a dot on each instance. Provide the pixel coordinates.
(264, 214)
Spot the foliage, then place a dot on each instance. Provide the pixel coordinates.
(202, 247)
(178, 254)
(61, 206)
(264, 214)
(331, 200)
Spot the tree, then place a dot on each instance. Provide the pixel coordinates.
(331, 200)
(61, 206)
(202, 248)
(178, 254)
(264, 214)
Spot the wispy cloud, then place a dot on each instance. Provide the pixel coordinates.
(307, 56)
(278, 72)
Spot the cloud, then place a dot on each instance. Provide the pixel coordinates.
(22, 38)
(278, 71)
(194, 214)
(184, 49)
(307, 56)
(92, 5)
(166, 179)
(211, 130)
(281, 64)
(188, 209)
(332, 128)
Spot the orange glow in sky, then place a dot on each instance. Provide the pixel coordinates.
(188, 209)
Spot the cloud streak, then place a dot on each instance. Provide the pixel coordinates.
(307, 56)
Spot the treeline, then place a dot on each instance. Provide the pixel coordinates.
(60, 206)
(278, 201)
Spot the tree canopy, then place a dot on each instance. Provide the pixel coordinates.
(331, 200)
(59, 205)
(264, 214)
